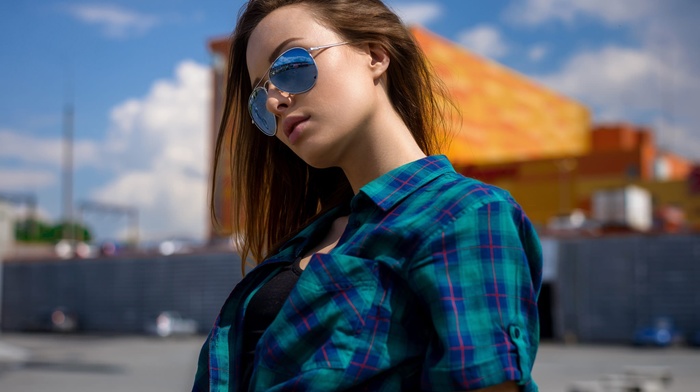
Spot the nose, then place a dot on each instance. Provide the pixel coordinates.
(277, 100)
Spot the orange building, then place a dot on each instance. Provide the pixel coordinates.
(620, 155)
(503, 115)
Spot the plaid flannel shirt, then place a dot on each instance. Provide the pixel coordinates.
(433, 285)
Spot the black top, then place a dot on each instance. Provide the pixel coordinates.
(262, 310)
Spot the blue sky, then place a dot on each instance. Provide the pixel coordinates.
(139, 82)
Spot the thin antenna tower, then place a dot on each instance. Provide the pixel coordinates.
(67, 183)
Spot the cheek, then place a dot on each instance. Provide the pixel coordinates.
(346, 76)
(346, 93)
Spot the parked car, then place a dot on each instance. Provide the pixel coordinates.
(173, 246)
(169, 323)
(58, 319)
(661, 334)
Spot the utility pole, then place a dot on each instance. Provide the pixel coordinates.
(67, 183)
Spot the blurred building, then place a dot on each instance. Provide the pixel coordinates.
(7, 229)
(621, 155)
(222, 192)
(502, 116)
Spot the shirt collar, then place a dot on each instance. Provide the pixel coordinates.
(385, 191)
(390, 188)
(295, 246)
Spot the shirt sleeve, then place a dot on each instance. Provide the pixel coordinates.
(480, 280)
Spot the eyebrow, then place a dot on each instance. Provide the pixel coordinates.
(276, 53)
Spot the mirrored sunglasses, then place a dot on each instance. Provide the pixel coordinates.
(293, 72)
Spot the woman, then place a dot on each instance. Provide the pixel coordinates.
(380, 268)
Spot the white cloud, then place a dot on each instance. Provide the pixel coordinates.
(625, 84)
(656, 78)
(115, 21)
(683, 139)
(418, 13)
(167, 123)
(626, 78)
(29, 149)
(537, 52)
(485, 40)
(23, 211)
(158, 144)
(533, 12)
(26, 179)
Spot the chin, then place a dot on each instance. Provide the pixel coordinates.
(320, 152)
(317, 158)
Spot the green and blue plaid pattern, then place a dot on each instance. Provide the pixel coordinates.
(432, 286)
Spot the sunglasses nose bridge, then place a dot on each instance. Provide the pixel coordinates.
(270, 87)
(277, 100)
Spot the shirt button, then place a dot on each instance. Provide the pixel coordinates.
(517, 333)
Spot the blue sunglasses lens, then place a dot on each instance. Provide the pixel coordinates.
(263, 119)
(294, 72)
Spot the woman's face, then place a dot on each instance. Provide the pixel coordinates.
(322, 124)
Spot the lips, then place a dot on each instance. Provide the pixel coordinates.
(291, 122)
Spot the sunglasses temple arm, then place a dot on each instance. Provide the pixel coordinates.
(327, 46)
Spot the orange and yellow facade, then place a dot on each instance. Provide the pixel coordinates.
(620, 155)
(503, 116)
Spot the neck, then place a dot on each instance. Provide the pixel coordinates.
(386, 145)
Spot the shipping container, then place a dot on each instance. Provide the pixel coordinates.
(628, 207)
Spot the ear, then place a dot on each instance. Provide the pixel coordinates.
(379, 60)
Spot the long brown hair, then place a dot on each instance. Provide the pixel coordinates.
(274, 192)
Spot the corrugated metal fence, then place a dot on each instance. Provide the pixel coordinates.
(602, 288)
(119, 294)
(607, 287)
